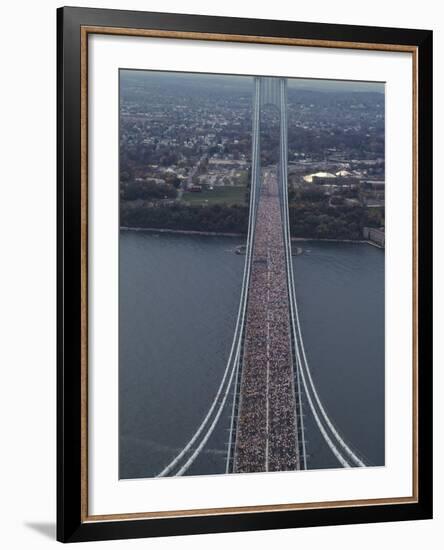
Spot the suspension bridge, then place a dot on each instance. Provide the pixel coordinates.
(267, 382)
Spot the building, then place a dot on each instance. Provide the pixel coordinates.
(320, 178)
(373, 185)
(373, 193)
(374, 235)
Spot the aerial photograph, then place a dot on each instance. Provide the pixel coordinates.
(251, 274)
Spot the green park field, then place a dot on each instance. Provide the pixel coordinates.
(219, 195)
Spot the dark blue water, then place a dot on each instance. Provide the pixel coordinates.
(340, 293)
(178, 303)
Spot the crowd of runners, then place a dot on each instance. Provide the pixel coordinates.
(266, 437)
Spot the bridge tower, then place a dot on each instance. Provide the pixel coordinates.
(270, 90)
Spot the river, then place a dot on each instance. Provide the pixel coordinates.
(178, 302)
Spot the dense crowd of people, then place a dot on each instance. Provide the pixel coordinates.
(266, 437)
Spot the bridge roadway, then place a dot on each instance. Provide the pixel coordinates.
(267, 426)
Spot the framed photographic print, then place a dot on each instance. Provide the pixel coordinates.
(244, 274)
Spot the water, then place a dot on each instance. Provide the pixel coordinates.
(179, 297)
(340, 293)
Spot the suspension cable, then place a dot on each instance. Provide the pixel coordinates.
(235, 343)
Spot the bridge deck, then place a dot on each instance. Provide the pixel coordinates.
(266, 438)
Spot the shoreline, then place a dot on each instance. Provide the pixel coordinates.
(351, 241)
(237, 235)
(182, 232)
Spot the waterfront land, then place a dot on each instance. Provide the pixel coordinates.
(310, 221)
(185, 155)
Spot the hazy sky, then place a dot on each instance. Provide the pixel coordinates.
(293, 83)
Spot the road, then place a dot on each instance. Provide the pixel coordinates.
(267, 425)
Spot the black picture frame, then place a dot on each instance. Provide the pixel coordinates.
(71, 523)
